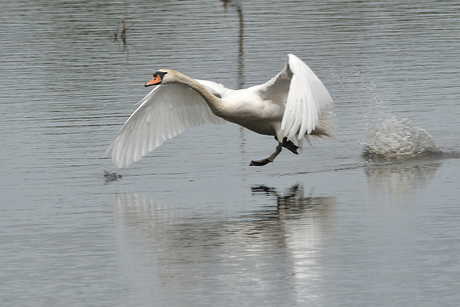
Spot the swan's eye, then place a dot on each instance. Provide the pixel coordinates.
(161, 74)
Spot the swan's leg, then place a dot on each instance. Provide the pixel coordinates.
(269, 159)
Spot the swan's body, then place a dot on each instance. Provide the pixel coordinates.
(291, 106)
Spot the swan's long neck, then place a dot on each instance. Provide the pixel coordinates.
(213, 102)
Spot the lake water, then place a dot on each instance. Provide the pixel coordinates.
(192, 223)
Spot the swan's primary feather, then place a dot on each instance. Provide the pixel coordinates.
(307, 101)
(165, 112)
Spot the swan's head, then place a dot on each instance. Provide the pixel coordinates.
(161, 76)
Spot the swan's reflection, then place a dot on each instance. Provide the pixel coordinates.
(275, 251)
(305, 223)
(400, 178)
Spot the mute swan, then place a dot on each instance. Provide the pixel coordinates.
(292, 105)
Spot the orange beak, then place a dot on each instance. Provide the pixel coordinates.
(155, 80)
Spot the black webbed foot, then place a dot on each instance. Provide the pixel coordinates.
(260, 162)
(290, 145)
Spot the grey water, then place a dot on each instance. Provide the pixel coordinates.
(192, 223)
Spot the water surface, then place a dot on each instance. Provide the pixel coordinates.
(192, 223)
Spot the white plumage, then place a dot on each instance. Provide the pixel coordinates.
(292, 105)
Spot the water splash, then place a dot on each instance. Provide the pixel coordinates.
(398, 139)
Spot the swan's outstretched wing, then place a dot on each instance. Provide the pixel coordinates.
(307, 99)
(167, 111)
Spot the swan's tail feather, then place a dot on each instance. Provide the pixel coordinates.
(325, 129)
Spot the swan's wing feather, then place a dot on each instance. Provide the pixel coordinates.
(277, 88)
(304, 95)
(306, 100)
(165, 112)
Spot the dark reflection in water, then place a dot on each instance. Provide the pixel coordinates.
(293, 199)
(239, 11)
(125, 24)
(274, 250)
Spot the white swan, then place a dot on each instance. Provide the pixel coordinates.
(292, 105)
